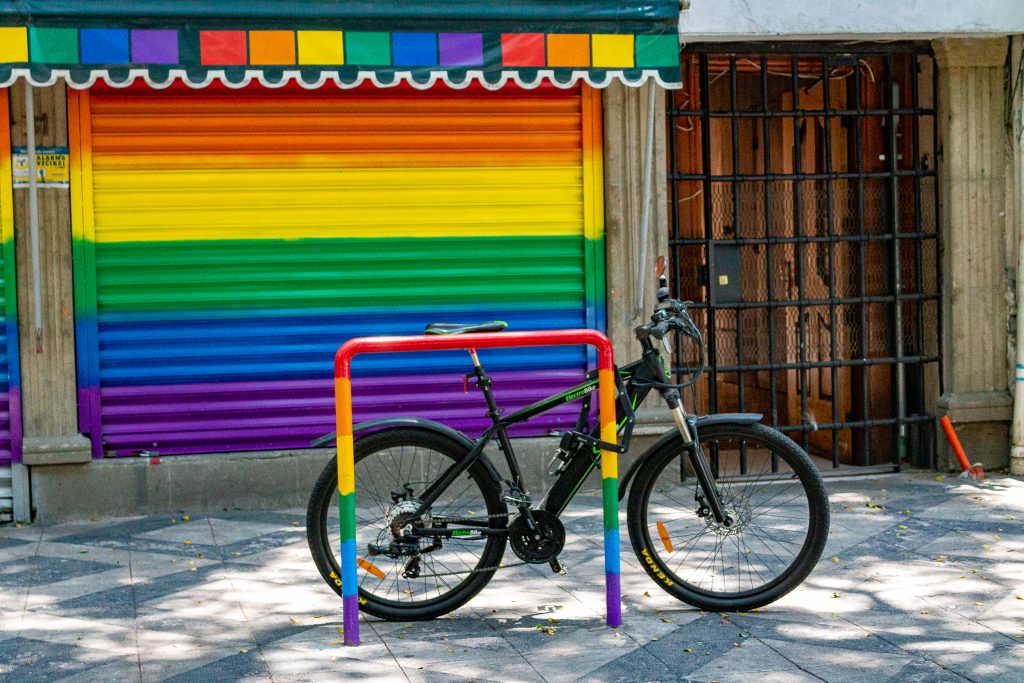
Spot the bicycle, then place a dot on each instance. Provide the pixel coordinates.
(730, 532)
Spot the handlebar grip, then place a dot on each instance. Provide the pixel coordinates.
(661, 329)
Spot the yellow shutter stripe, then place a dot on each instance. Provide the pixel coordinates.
(135, 161)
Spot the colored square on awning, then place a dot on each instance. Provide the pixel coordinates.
(321, 47)
(613, 51)
(461, 49)
(104, 45)
(273, 47)
(222, 47)
(657, 50)
(13, 44)
(522, 49)
(414, 49)
(155, 47)
(568, 49)
(368, 48)
(53, 45)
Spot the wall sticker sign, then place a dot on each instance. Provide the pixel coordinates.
(52, 166)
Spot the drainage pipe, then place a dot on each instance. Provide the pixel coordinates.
(645, 221)
(33, 210)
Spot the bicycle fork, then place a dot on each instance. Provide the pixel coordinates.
(705, 478)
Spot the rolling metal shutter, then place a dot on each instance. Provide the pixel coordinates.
(10, 391)
(228, 241)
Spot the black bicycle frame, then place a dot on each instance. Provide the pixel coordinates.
(632, 382)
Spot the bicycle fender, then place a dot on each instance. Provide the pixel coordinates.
(411, 423)
(673, 434)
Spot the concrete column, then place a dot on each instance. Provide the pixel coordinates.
(625, 144)
(973, 204)
(1016, 82)
(49, 391)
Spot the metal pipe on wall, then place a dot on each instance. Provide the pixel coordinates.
(645, 220)
(33, 210)
(1017, 128)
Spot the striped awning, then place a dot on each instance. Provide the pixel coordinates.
(347, 42)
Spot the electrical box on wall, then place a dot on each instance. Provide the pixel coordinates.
(724, 276)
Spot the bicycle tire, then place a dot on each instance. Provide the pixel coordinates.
(660, 507)
(381, 455)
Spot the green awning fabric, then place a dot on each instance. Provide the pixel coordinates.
(315, 42)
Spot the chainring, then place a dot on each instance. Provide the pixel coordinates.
(537, 550)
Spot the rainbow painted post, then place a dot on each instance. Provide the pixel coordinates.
(346, 465)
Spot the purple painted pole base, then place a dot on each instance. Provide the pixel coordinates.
(613, 599)
(350, 620)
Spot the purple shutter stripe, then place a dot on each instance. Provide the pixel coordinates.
(289, 414)
(461, 49)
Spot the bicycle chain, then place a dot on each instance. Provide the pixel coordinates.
(478, 570)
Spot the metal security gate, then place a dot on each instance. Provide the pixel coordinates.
(805, 227)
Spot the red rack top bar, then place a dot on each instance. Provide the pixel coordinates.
(354, 347)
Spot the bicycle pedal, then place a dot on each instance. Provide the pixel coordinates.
(557, 567)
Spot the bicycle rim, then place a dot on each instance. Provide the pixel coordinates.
(435, 578)
(773, 496)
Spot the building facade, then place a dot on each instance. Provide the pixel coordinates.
(183, 289)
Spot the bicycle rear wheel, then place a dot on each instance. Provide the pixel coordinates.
(769, 487)
(400, 580)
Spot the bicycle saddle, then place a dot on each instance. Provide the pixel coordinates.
(461, 328)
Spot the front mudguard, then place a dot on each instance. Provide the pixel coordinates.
(673, 434)
(410, 423)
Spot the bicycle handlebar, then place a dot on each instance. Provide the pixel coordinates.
(672, 315)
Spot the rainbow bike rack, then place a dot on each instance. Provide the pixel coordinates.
(346, 465)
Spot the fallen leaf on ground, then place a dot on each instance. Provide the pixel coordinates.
(835, 559)
(687, 649)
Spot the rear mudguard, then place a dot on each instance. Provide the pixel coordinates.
(411, 423)
(673, 435)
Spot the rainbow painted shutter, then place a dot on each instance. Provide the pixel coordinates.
(234, 239)
(10, 389)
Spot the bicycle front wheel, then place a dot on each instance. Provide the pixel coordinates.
(779, 513)
(402, 577)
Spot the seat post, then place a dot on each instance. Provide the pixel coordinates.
(483, 382)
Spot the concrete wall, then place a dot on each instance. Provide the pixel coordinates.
(878, 19)
(1016, 131)
(975, 205)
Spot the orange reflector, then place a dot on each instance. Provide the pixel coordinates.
(663, 532)
(371, 568)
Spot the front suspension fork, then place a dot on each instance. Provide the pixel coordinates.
(700, 464)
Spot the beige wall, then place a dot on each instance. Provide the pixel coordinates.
(977, 255)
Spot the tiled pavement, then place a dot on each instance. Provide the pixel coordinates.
(922, 581)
